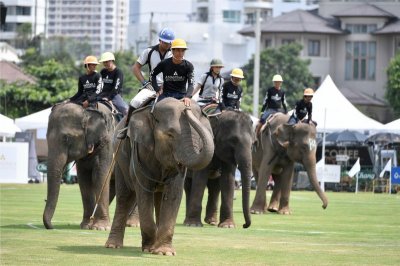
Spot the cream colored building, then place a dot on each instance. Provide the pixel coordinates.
(352, 41)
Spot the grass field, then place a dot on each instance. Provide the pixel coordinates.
(355, 229)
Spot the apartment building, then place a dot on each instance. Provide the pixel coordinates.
(20, 12)
(101, 23)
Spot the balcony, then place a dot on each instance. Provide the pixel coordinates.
(250, 5)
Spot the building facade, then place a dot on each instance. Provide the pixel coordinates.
(352, 41)
(20, 12)
(101, 23)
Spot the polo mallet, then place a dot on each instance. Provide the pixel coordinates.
(105, 181)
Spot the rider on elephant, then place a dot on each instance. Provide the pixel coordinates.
(151, 56)
(273, 102)
(232, 91)
(89, 84)
(303, 107)
(177, 72)
(210, 84)
(113, 79)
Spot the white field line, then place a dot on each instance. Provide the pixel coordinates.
(335, 244)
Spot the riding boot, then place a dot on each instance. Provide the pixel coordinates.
(123, 133)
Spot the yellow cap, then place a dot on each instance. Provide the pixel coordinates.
(237, 73)
(91, 59)
(308, 92)
(178, 43)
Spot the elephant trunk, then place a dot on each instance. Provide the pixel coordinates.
(55, 168)
(246, 176)
(312, 175)
(194, 155)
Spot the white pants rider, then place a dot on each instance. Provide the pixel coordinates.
(142, 96)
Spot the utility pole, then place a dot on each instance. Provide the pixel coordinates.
(256, 80)
(151, 29)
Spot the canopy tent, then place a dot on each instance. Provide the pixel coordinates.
(332, 111)
(393, 126)
(8, 128)
(35, 120)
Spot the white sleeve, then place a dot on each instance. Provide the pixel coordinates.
(143, 57)
(202, 79)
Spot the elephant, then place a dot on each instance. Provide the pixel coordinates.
(162, 145)
(84, 136)
(279, 147)
(233, 138)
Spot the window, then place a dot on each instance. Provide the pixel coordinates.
(361, 28)
(360, 61)
(268, 43)
(23, 10)
(314, 48)
(202, 14)
(231, 16)
(287, 41)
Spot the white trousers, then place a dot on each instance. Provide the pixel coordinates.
(141, 97)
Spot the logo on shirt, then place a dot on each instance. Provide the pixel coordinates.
(175, 74)
(276, 97)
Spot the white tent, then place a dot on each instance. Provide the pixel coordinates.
(393, 126)
(8, 128)
(35, 120)
(332, 111)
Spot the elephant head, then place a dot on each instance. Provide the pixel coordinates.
(177, 136)
(73, 133)
(299, 142)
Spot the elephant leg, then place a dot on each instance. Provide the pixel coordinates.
(276, 194)
(157, 204)
(125, 200)
(260, 200)
(188, 191)
(88, 199)
(227, 185)
(199, 182)
(133, 217)
(148, 228)
(101, 188)
(171, 200)
(212, 201)
(286, 185)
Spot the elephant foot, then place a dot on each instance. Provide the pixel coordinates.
(285, 211)
(227, 224)
(257, 211)
(166, 250)
(193, 222)
(86, 224)
(273, 207)
(112, 243)
(101, 225)
(211, 220)
(133, 221)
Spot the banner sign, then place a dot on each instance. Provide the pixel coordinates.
(395, 177)
(331, 173)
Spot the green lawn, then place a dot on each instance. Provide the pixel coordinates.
(355, 229)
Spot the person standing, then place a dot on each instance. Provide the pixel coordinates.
(113, 80)
(232, 91)
(274, 102)
(177, 73)
(210, 84)
(90, 84)
(151, 56)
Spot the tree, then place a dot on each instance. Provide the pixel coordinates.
(284, 61)
(24, 35)
(393, 84)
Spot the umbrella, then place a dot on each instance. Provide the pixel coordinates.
(383, 138)
(346, 136)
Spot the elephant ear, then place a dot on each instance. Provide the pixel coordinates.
(284, 135)
(141, 127)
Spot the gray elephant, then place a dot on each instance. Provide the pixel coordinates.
(84, 136)
(233, 138)
(150, 169)
(280, 146)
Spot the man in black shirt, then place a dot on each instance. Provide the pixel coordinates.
(273, 102)
(113, 79)
(303, 108)
(177, 73)
(89, 85)
(232, 91)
